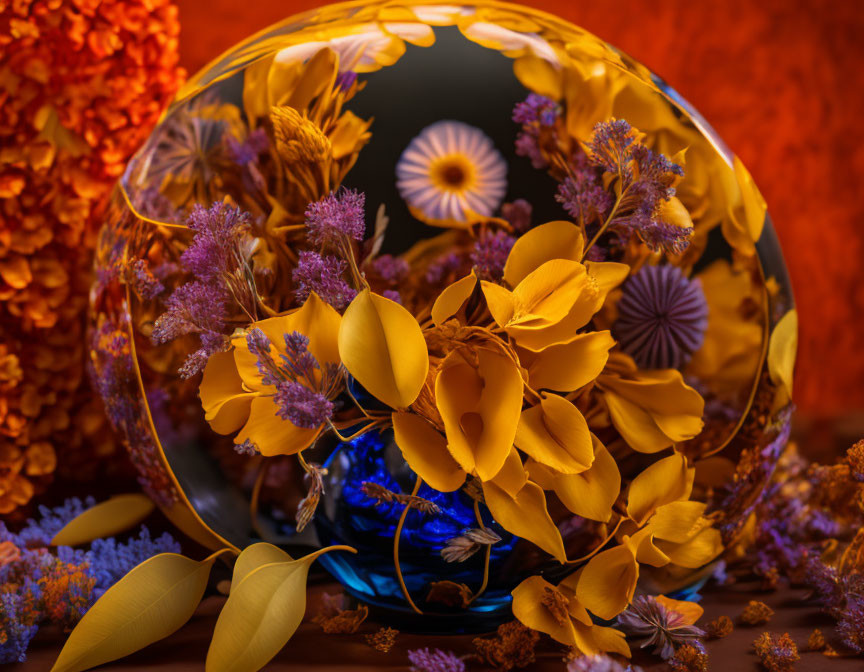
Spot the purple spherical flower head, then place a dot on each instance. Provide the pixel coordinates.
(662, 317)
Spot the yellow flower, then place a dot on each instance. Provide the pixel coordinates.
(554, 294)
(652, 410)
(557, 611)
(235, 396)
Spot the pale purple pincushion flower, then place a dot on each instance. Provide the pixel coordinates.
(426, 660)
(662, 317)
(338, 215)
(323, 275)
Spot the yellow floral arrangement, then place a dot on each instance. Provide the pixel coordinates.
(601, 393)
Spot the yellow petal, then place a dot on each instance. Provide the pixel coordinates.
(540, 76)
(349, 134)
(696, 552)
(480, 409)
(261, 615)
(782, 349)
(745, 218)
(665, 481)
(691, 611)
(529, 609)
(608, 582)
(425, 451)
(152, 601)
(553, 240)
(500, 301)
(635, 425)
(568, 366)
(673, 212)
(608, 275)
(512, 477)
(677, 521)
(271, 434)
(555, 433)
(526, 516)
(226, 405)
(646, 550)
(598, 639)
(590, 494)
(452, 298)
(106, 519)
(316, 320)
(382, 346)
(547, 294)
(256, 556)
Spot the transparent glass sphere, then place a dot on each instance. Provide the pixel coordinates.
(366, 81)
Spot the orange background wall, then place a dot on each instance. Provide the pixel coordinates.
(781, 81)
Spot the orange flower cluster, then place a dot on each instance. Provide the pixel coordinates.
(82, 82)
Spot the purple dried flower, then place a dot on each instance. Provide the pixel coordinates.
(611, 145)
(425, 660)
(850, 626)
(393, 295)
(662, 628)
(145, 284)
(246, 448)
(439, 269)
(247, 151)
(490, 254)
(345, 80)
(583, 196)
(661, 236)
(518, 214)
(301, 406)
(110, 560)
(324, 276)
(662, 317)
(527, 145)
(536, 109)
(391, 269)
(299, 362)
(219, 233)
(335, 217)
(16, 626)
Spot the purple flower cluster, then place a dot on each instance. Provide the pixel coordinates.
(662, 317)
(145, 284)
(490, 254)
(298, 397)
(536, 109)
(647, 180)
(391, 269)
(442, 267)
(245, 152)
(217, 258)
(336, 217)
(38, 586)
(599, 663)
(323, 275)
(538, 115)
(518, 214)
(425, 660)
(583, 195)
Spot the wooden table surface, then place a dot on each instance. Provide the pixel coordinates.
(311, 649)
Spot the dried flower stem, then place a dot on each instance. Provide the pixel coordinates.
(263, 468)
(487, 559)
(396, 538)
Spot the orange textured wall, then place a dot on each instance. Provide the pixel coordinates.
(782, 82)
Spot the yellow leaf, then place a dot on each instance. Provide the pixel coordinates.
(590, 494)
(782, 349)
(556, 434)
(425, 451)
(568, 366)
(525, 515)
(261, 615)
(552, 240)
(452, 298)
(255, 556)
(695, 552)
(691, 611)
(539, 76)
(104, 520)
(608, 582)
(152, 601)
(667, 480)
(479, 402)
(382, 346)
(225, 403)
(530, 610)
